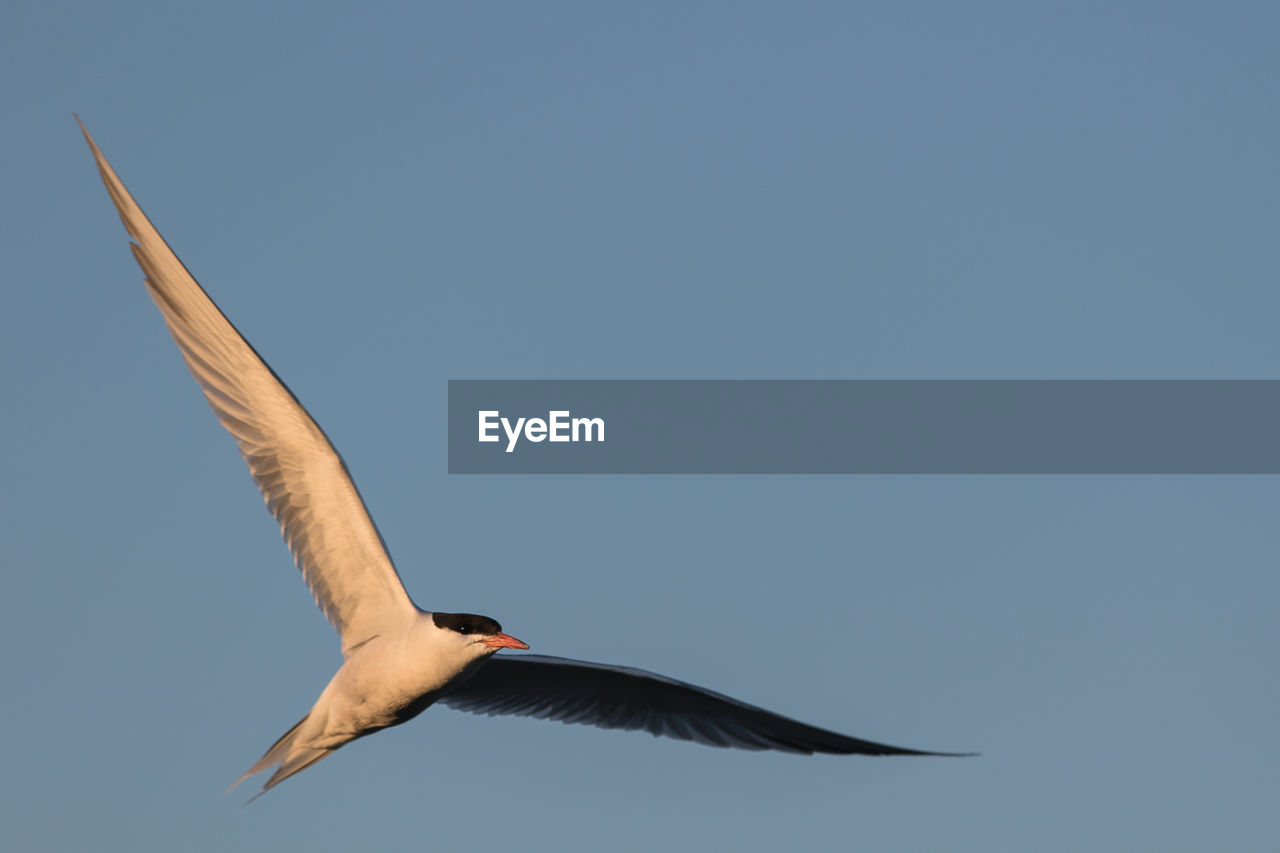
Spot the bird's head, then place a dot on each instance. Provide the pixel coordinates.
(479, 635)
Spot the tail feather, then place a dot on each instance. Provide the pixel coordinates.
(286, 753)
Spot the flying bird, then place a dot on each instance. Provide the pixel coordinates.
(398, 659)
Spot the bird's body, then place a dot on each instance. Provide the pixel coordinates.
(386, 680)
(398, 659)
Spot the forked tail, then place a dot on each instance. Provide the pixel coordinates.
(286, 753)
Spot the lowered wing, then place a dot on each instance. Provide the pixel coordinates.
(619, 697)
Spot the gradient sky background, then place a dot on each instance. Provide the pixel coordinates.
(387, 196)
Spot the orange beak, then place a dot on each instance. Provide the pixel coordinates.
(504, 641)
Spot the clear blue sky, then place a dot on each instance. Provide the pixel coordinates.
(387, 196)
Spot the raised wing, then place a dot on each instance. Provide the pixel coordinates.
(618, 697)
(302, 478)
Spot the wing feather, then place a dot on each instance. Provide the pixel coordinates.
(303, 480)
(618, 697)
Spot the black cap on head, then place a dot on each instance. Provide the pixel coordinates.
(466, 623)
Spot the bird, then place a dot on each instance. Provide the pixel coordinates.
(398, 659)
